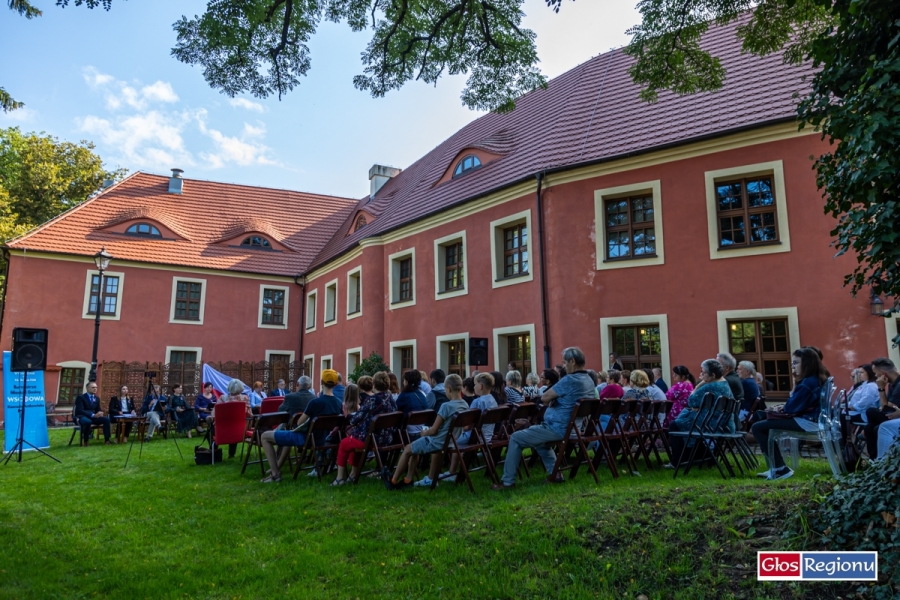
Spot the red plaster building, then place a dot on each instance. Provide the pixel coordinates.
(664, 231)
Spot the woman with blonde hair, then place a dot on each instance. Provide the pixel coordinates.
(235, 394)
(639, 387)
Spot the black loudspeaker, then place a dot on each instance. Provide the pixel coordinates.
(478, 352)
(29, 350)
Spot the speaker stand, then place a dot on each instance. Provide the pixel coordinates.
(20, 439)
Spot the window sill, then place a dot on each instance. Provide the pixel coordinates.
(402, 303)
(354, 313)
(455, 290)
(513, 277)
(744, 246)
(630, 258)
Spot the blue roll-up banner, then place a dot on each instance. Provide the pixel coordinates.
(35, 411)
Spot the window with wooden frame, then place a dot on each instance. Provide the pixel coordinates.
(746, 212)
(273, 307)
(765, 343)
(354, 293)
(308, 367)
(405, 293)
(180, 357)
(279, 359)
(456, 353)
(108, 296)
(630, 227)
(639, 346)
(188, 296)
(71, 385)
(519, 352)
(406, 359)
(331, 296)
(467, 163)
(143, 230)
(453, 267)
(515, 250)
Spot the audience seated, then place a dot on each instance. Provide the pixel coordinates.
(338, 390)
(153, 410)
(499, 389)
(881, 428)
(612, 389)
(255, 397)
(712, 381)
(863, 395)
(358, 431)
(120, 406)
(549, 377)
(484, 384)
(560, 401)
(279, 391)
(532, 388)
(639, 387)
(412, 398)
(394, 386)
(366, 386)
(424, 386)
(603, 379)
(469, 389)
(514, 392)
(804, 403)
(326, 404)
(658, 381)
(437, 395)
(235, 394)
(625, 380)
(656, 393)
(296, 402)
(747, 374)
(184, 415)
(431, 441)
(204, 402)
(682, 387)
(729, 364)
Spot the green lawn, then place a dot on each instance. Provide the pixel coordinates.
(163, 527)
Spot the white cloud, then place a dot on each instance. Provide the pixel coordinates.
(157, 135)
(21, 115)
(247, 104)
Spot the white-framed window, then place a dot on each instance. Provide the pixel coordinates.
(73, 377)
(628, 226)
(108, 295)
(511, 246)
(326, 362)
(311, 302)
(402, 282)
(331, 296)
(354, 357)
(354, 293)
(403, 357)
(273, 306)
(515, 344)
(640, 339)
(309, 367)
(891, 329)
(451, 275)
(746, 210)
(183, 354)
(188, 300)
(452, 353)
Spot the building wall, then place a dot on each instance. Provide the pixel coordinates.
(49, 293)
(689, 288)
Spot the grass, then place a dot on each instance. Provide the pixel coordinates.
(163, 527)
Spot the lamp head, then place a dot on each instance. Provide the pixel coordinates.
(102, 259)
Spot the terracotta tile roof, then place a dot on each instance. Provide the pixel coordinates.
(589, 114)
(205, 213)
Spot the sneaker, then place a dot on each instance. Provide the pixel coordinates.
(424, 482)
(312, 473)
(765, 474)
(446, 475)
(386, 478)
(782, 473)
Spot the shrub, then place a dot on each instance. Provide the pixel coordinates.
(370, 365)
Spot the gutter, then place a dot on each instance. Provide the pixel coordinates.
(300, 280)
(540, 217)
(6, 257)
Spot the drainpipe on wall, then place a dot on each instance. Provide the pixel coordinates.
(540, 218)
(300, 280)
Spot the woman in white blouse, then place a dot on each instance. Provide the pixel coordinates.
(864, 394)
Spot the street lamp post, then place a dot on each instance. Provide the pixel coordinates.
(101, 261)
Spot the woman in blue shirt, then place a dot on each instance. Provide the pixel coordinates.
(809, 376)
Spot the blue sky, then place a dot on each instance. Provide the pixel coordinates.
(108, 77)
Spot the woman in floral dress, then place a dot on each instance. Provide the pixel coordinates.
(682, 387)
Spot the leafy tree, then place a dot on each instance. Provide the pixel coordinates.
(369, 366)
(43, 176)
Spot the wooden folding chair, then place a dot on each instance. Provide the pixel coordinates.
(417, 417)
(614, 438)
(492, 449)
(655, 431)
(264, 423)
(463, 419)
(311, 452)
(385, 455)
(697, 434)
(608, 433)
(631, 430)
(584, 413)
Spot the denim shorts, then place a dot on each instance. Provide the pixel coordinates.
(289, 438)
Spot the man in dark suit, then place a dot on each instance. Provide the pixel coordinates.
(278, 392)
(87, 412)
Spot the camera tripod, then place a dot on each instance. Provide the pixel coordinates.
(136, 433)
(20, 438)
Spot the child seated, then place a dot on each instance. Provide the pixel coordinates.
(484, 383)
(431, 441)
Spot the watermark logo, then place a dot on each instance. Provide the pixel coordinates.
(817, 566)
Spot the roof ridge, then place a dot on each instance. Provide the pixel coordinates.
(258, 187)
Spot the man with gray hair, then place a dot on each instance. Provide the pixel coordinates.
(560, 401)
(729, 364)
(296, 402)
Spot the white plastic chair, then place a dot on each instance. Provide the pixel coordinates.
(828, 432)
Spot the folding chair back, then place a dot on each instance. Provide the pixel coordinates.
(311, 453)
(492, 450)
(417, 417)
(384, 454)
(464, 419)
(264, 423)
(270, 405)
(581, 430)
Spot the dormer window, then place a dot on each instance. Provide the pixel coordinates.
(256, 241)
(466, 164)
(143, 230)
(361, 222)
